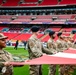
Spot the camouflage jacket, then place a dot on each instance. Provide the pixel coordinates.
(52, 46)
(4, 57)
(62, 45)
(35, 48)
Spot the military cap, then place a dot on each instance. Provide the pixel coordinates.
(51, 33)
(35, 28)
(59, 34)
(2, 36)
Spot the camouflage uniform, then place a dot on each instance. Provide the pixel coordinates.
(66, 69)
(70, 44)
(74, 46)
(69, 69)
(35, 50)
(5, 57)
(61, 45)
(51, 45)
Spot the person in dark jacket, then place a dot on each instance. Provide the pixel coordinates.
(16, 45)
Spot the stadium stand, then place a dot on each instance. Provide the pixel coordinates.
(35, 2)
(37, 18)
(15, 29)
(68, 2)
(40, 14)
(28, 4)
(9, 35)
(31, 0)
(67, 29)
(55, 29)
(1, 2)
(5, 29)
(1, 27)
(49, 2)
(11, 3)
(23, 37)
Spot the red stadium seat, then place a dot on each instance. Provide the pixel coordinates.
(68, 2)
(31, 0)
(1, 2)
(11, 3)
(49, 2)
(23, 37)
(9, 35)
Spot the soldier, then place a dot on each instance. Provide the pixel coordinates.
(70, 41)
(61, 44)
(35, 50)
(5, 58)
(51, 45)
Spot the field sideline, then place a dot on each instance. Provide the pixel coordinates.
(24, 70)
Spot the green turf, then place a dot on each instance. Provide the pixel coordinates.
(21, 70)
(19, 51)
(24, 70)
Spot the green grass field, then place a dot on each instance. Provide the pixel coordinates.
(24, 70)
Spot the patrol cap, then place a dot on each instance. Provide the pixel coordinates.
(51, 33)
(59, 34)
(2, 36)
(35, 28)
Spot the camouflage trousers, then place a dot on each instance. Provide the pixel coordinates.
(52, 70)
(35, 70)
(67, 69)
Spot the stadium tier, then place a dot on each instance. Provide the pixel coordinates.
(23, 37)
(55, 29)
(40, 19)
(1, 2)
(1, 27)
(35, 2)
(28, 4)
(31, 0)
(68, 2)
(67, 29)
(49, 2)
(11, 3)
(11, 35)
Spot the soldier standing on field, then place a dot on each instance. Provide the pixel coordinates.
(5, 58)
(63, 44)
(51, 45)
(35, 50)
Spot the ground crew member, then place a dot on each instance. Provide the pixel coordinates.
(5, 58)
(16, 45)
